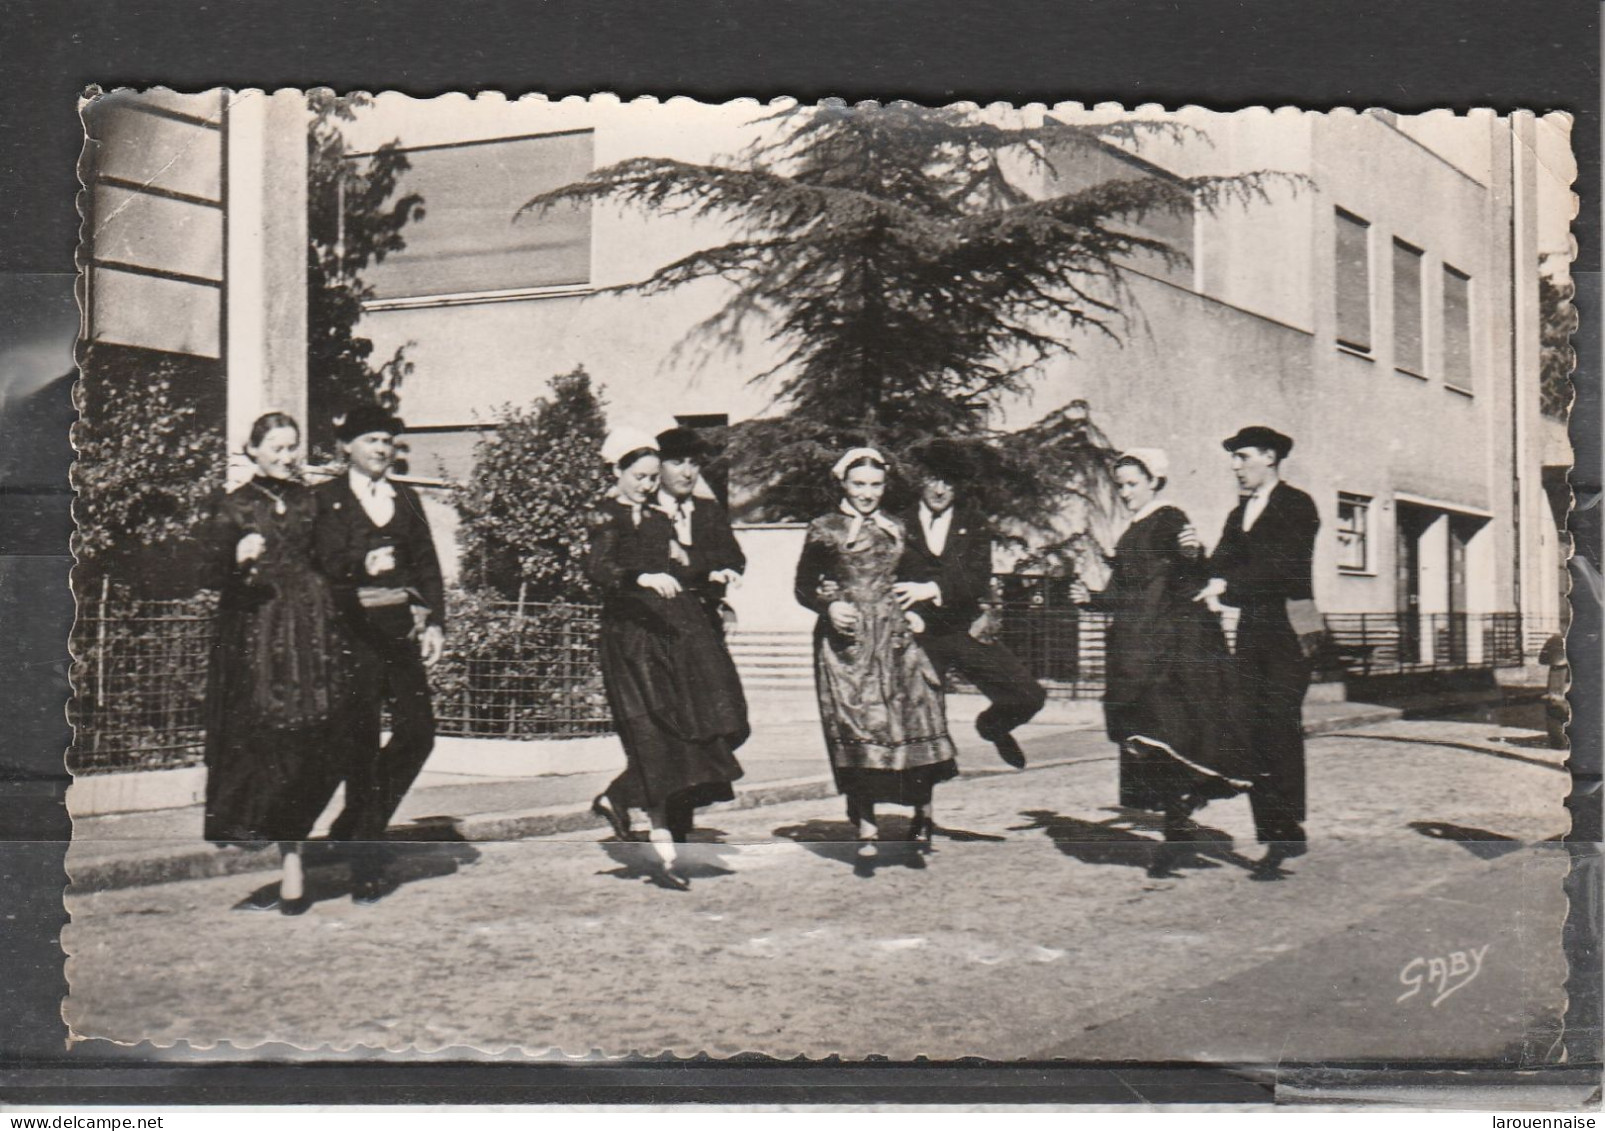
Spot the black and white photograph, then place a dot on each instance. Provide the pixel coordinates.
(600, 578)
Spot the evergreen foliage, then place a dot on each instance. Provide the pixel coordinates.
(909, 275)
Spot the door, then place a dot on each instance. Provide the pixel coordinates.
(1410, 523)
(1453, 639)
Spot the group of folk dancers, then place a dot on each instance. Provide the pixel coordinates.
(332, 607)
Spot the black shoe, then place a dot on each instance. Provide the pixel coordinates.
(295, 906)
(921, 830)
(668, 878)
(1009, 750)
(1269, 867)
(603, 808)
(265, 899)
(369, 890)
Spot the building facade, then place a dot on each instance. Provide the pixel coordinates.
(1379, 303)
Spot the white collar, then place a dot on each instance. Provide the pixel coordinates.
(1263, 491)
(931, 518)
(374, 488)
(1147, 509)
(668, 504)
(876, 516)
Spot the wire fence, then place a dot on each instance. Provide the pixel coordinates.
(518, 671)
(526, 670)
(521, 670)
(139, 682)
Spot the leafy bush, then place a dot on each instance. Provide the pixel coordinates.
(151, 450)
(536, 479)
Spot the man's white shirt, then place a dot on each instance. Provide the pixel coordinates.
(680, 511)
(1256, 505)
(377, 496)
(935, 528)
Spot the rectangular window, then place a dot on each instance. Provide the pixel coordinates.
(1457, 329)
(1407, 309)
(1353, 282)
(1353, 533)
(468, 241)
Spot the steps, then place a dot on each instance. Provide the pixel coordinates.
(776, 660)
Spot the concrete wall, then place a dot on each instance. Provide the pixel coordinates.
(764, 601)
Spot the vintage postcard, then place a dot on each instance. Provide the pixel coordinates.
(596, 579)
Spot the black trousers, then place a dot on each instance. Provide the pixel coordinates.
(1272, 677)
(996, 673)
(386, 666)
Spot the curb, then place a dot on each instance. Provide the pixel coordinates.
(204, 863)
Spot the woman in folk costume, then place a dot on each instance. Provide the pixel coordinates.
(1167, 701)
(276, 678)
(671, 685)
(880, 698)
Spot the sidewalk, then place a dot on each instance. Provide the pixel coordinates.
(479, 790)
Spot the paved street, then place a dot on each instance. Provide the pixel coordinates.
(1033, 930)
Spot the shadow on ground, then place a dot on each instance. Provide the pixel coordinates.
(425, 850)
(838, 841)
(1481, 843)
(702, 858)
(1134, 838)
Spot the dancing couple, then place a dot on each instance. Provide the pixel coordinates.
(1193, 720)
(331, 606)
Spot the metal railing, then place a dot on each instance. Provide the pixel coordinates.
(524, 671)
(139, 677)
(1369, 644)
(139, 682)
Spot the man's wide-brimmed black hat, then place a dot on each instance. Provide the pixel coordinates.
(368, 418)
(948, 460)
(1259, 436)
(682, 443)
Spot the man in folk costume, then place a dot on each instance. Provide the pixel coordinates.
(1262, 566)
(701, 526)
(704, 546)
(945, 572)
(373, 542)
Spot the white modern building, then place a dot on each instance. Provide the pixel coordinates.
(1380, 305)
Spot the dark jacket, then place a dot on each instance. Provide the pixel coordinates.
(963, 570)
(345, 535)
(713, 547)
(1269, 564)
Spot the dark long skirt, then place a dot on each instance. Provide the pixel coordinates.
(274, 751)
(270, 786)
(1180, 729)
(677, 702)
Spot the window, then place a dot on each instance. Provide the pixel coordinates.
(1457, 329)
(1407, 310)
(1353, 533)
(468, 241)
(1353, 282)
